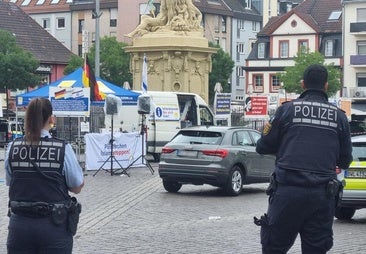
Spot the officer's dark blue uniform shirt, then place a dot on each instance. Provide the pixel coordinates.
(290, 135)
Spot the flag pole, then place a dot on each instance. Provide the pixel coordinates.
(144, 83)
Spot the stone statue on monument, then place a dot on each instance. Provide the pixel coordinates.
(175, 15)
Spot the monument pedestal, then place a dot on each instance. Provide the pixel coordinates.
(176, 61)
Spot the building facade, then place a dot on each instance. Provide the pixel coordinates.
(354, 37)
(315, 25)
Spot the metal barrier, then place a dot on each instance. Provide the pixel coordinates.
(79, 148)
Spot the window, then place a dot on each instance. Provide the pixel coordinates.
(261, 50)
(361, 79)
(242, 138)
(40, 2)
(335, 15)
(258, 82)
(275, 82)
(240, 48)
(80, 50)
(328, 48)
(361, 14)
(241, 24)
(248, 4)
(303, 46)
(113, 20)
(255, 26)
(239, 71)
(284, 49)
(361, 47)
(223, 24)
(217, 40)
(60, 22)
(81, 25)
(46, 23)
(113, 23)
(26, 2)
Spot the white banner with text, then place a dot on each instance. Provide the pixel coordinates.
(127, 150)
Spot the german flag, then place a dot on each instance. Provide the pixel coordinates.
(90, 81)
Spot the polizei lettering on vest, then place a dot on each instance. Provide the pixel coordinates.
(316, 112)
(39, 153)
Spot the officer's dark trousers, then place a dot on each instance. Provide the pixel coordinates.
(37, 236)
(299, 210)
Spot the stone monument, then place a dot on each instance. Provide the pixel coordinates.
(178, 56)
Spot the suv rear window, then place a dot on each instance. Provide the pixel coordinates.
(198, 137)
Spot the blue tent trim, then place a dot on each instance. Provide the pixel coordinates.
(128, 97)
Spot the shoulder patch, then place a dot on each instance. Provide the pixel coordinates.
(267, 128)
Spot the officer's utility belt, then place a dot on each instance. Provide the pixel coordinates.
(33, 209)
(59, 213)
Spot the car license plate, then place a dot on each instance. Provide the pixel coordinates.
(355, 174)
(186, 153)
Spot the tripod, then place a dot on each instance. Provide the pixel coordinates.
(143, 143)
(112, 158)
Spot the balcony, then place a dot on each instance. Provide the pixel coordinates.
(359, 27)
(358, 60)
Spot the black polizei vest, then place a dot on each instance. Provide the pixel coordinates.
(37, 171)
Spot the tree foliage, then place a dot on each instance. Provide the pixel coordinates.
(222, 67)
(293, 75)
(74, 63)
(17, 66)
(114, 61)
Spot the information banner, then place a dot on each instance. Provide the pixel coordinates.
(70, 101)
(222, 105)
(127, 147)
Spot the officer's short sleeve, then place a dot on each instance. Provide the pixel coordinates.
(73, 172)
(345, 155)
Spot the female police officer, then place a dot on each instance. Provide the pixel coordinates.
(40, 170)
(310, 137)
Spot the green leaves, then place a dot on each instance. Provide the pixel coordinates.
(293, 75)
(17, 66)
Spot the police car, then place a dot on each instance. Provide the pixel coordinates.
(9, 130)
(354, 192)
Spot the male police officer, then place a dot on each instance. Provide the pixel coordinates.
(310, 138)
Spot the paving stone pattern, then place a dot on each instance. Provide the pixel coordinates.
(135, 215)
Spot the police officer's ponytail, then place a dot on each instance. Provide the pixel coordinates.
(38, 112)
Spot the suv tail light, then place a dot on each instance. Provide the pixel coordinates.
(167, 150)
(219, 152)
(10, 135)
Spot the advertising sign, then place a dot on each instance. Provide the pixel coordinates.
(256, 107)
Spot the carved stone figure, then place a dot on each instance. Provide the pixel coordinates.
(175, 15)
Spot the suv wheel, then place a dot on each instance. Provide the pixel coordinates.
(235, 182)
(344, 213)
(171, 186)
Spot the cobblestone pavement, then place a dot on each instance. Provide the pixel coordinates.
(135, 214)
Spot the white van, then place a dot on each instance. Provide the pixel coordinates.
(168, 113)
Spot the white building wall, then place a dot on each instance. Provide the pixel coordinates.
(245, 36)
(350, 44)
(287, 32)
(61, 34)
